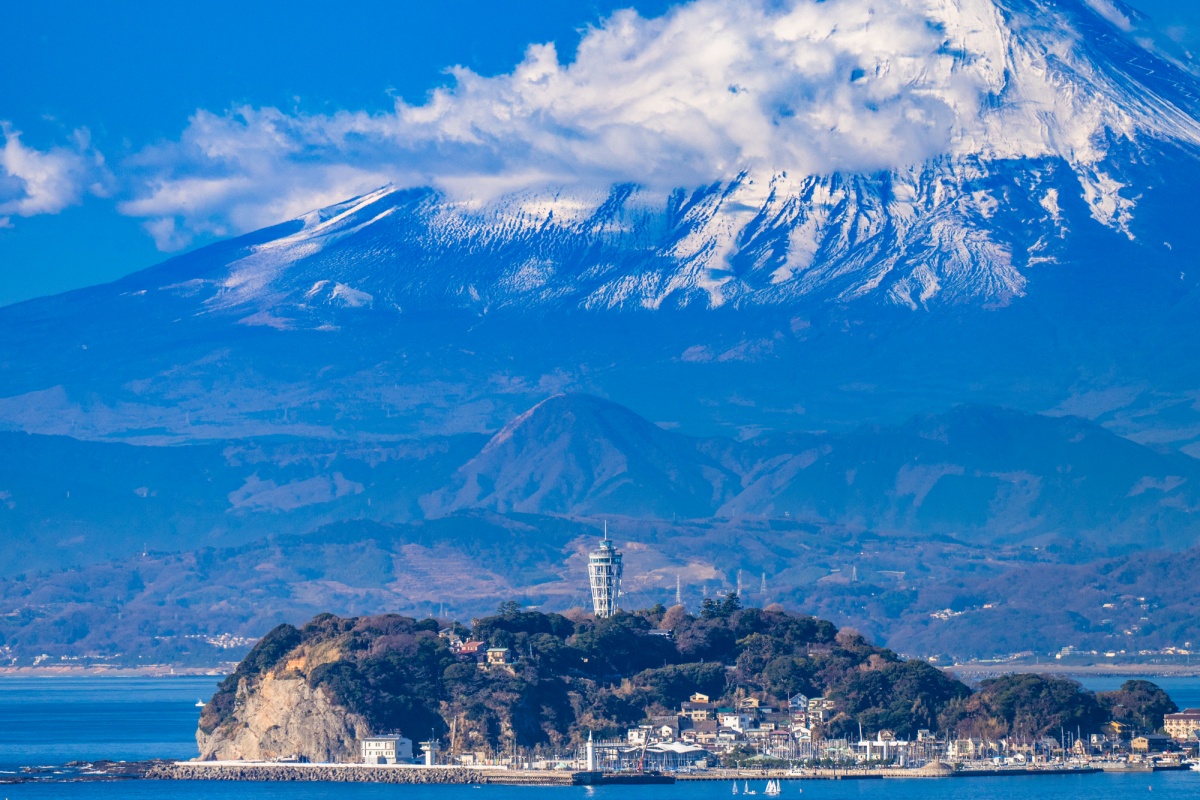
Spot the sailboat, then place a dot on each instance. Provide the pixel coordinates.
(735, 787)
(773, 788)
(746, 789)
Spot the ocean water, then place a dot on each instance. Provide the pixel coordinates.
(49, 721)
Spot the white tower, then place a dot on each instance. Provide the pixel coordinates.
(604, 571)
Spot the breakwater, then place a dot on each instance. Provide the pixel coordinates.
(390, 773)
(483, 776)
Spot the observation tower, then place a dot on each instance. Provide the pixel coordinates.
(604, 571)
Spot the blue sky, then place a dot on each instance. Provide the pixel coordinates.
(101, 91)
(132, 73)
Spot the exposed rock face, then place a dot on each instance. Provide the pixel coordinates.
(316, 692)
(283, 716)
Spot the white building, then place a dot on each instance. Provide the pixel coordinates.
(604, 572)
(386, 749)
(738, 720)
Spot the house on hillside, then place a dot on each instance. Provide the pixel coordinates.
(702, 733)
(470, 650)
(698, 711)
(499, 658)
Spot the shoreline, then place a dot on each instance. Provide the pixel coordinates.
(149, 671)
(481, 775)
(969, 671)
(501, 776)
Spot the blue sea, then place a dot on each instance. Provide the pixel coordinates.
(50, 721)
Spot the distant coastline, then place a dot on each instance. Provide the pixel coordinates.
(151, 671)
(1128, 670)
(964, 671)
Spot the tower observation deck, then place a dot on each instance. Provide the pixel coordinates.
(604, 571)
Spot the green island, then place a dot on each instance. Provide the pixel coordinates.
(653, 691)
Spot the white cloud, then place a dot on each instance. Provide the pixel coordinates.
(1108, 10)
(712, 88)
(36, 182)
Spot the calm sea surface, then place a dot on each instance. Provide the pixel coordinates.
(48, 721)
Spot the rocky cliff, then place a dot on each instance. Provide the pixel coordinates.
(275, 704)
(281, 715)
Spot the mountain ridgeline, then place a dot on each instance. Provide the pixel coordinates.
(979, 474)
(312, 691)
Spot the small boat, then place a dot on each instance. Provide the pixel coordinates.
(735, 787)
(747, 790)
(1196, 767)
(773, 788)
(200, 704)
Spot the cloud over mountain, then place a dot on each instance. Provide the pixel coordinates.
(36, 181)
(711, 89)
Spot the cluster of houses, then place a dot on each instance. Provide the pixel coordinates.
(703, 729)
(479, 652)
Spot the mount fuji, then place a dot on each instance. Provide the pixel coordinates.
(1037, 253)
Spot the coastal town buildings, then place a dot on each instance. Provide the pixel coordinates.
(1181, 726)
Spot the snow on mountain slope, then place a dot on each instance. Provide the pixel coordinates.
(1025, 117)
(1037, 257)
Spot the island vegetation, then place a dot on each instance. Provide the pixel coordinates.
(568, 676)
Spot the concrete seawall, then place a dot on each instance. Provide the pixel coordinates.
(397, 773)
(482, 776)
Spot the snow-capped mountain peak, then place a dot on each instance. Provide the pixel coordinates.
(999, 130)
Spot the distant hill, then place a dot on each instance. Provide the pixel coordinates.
(927, 597)
(976, 474)
(582, 456)
(988, 474)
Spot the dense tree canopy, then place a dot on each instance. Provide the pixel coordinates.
(1138, 703)
(1025, 706)
(570, 677)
